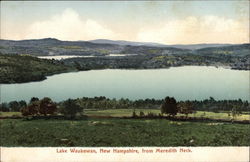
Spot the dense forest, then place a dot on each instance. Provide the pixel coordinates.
(158, 61)
(19, 69)
(102, 103)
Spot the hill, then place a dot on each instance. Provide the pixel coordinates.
(50, 46)
(19, 69)
(233, 50)
(181, 46)
(126, 43)
(103, 47)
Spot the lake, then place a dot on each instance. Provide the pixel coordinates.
(62, 57)
(187, 82)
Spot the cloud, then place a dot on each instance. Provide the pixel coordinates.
(68, 26)
(208, 29)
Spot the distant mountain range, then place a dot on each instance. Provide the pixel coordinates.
(100, 47)
(126, 43)
(182, 46)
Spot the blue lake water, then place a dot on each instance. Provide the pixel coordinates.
(187, 82)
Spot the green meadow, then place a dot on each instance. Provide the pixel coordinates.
(121, 132)
(128, 113)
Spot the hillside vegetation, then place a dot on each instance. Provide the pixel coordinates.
(19, 69)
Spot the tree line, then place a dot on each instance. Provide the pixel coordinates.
(101, 103)
(45, 106)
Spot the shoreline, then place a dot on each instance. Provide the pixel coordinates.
(46, 76)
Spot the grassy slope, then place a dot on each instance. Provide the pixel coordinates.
(121, 132)
(18, 69)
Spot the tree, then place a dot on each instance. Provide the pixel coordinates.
(31, 109)
(4, 107)
(70, 109)
(14, 106)
(33, 99)
(22, 103)
(36, 107)
(185, 107)
(235, 112)
(47, 106)
(169, 106)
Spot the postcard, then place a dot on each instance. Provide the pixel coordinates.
(125, 81)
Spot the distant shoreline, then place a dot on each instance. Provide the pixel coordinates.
(31, 81)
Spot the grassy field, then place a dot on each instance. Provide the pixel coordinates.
(119, 112)
(121, 132)
(128, 113)
(9, 114)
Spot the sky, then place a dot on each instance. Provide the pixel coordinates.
(168, 22)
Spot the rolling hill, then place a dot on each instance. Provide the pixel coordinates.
(102, 47)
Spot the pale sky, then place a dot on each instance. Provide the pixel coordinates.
(168, 22)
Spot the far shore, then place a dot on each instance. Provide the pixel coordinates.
(39, 80)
